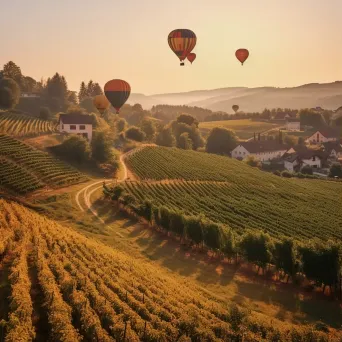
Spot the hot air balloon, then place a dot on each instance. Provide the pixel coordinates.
(235, 108)
(117, 92)
(191, 57)
(182, 42)
(101, 103)
(242, 55)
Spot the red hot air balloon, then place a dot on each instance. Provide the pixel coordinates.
(182, 42)
(117, 93)
(191, 57)
(242, 55)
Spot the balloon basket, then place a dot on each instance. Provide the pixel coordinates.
(182, 64)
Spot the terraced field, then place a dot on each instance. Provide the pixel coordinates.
(25, 169)
(20, 125)
(78, 289)
(244, 129)
(231, 192)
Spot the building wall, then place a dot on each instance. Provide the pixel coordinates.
(241, 152)
(65, 128)
(293, 126)
(290, 166)
(317, 163)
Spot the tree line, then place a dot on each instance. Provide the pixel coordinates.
(320, 262)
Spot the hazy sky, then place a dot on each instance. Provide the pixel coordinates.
(291, 42)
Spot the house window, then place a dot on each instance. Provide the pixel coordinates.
(72, 127)
(82, 127)
(62, 126)
(313, 158)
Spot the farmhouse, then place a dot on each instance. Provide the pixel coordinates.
(296, 158)
(284, 116)
(262, 150)
(293, 125)
(79, 124)
(323, 136)
(333, 149)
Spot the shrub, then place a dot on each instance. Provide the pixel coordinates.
(286, 174)
(135, 133)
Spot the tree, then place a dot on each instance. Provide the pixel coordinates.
(228, 245)
(187, 119)
(336, 170)
(311, 118)
(164, 218)
(307, 170)
(177, 223)
(178, 128)
(13, 71)
(301, 141)
(117, 192)
(194, 229)
(135, 133)
(291, 140)
(82, 94)
(121, 125)
(72, 97)
(285, 256)
(137, 108)
(9, 93)
(57, 87)
(252, 161)
(148, 127)
(101, 146)
(184, 142)
(146, 211)
(75, 148)
(257, 248)
(221, 141)
(212, 235)
(166, 138)
(88, 104)
(44, 113)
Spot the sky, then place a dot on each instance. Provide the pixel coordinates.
(291, 42)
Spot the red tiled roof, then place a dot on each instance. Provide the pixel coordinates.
(263, 146)
(75, 119)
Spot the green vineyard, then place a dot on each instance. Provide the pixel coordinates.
(231, 192)
(21, 125)
(78, 289)
(25, 169)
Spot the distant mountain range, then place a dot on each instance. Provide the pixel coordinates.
(325, 95)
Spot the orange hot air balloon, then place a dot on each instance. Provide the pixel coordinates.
(117, 92)
(191, 57)
(101, 103)
(182, 42)
(242, 55)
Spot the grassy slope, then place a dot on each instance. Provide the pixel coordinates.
(169, 303)
(244, 197)
(244, 129)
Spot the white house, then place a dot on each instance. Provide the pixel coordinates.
(79, 124)
(296, 159)
(261, 150)
(293, 125)
(323, 136)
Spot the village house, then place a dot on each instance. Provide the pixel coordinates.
(322, 136)
(261, 150)
(296, 158)
(333, 149)
(29, 95)
(293, 125)
(284, 116)
(79, 124)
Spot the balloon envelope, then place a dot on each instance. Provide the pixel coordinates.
(191, 57)
(242, 55)
(235, 108)
(182, 42)
(117, 92)
(101, 103)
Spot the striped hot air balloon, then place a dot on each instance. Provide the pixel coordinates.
(191, 57)
(101, 103)
(242, 55)
(182, 42)
(117, 92)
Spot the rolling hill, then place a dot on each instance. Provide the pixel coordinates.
(231, 192)
(25, 169)
(62, 286)
(326, 95)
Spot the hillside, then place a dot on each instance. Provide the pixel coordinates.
(25, 169)
(20, 125)
(231, 192)
(244, 129)
(325, 95)
(62, 286)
